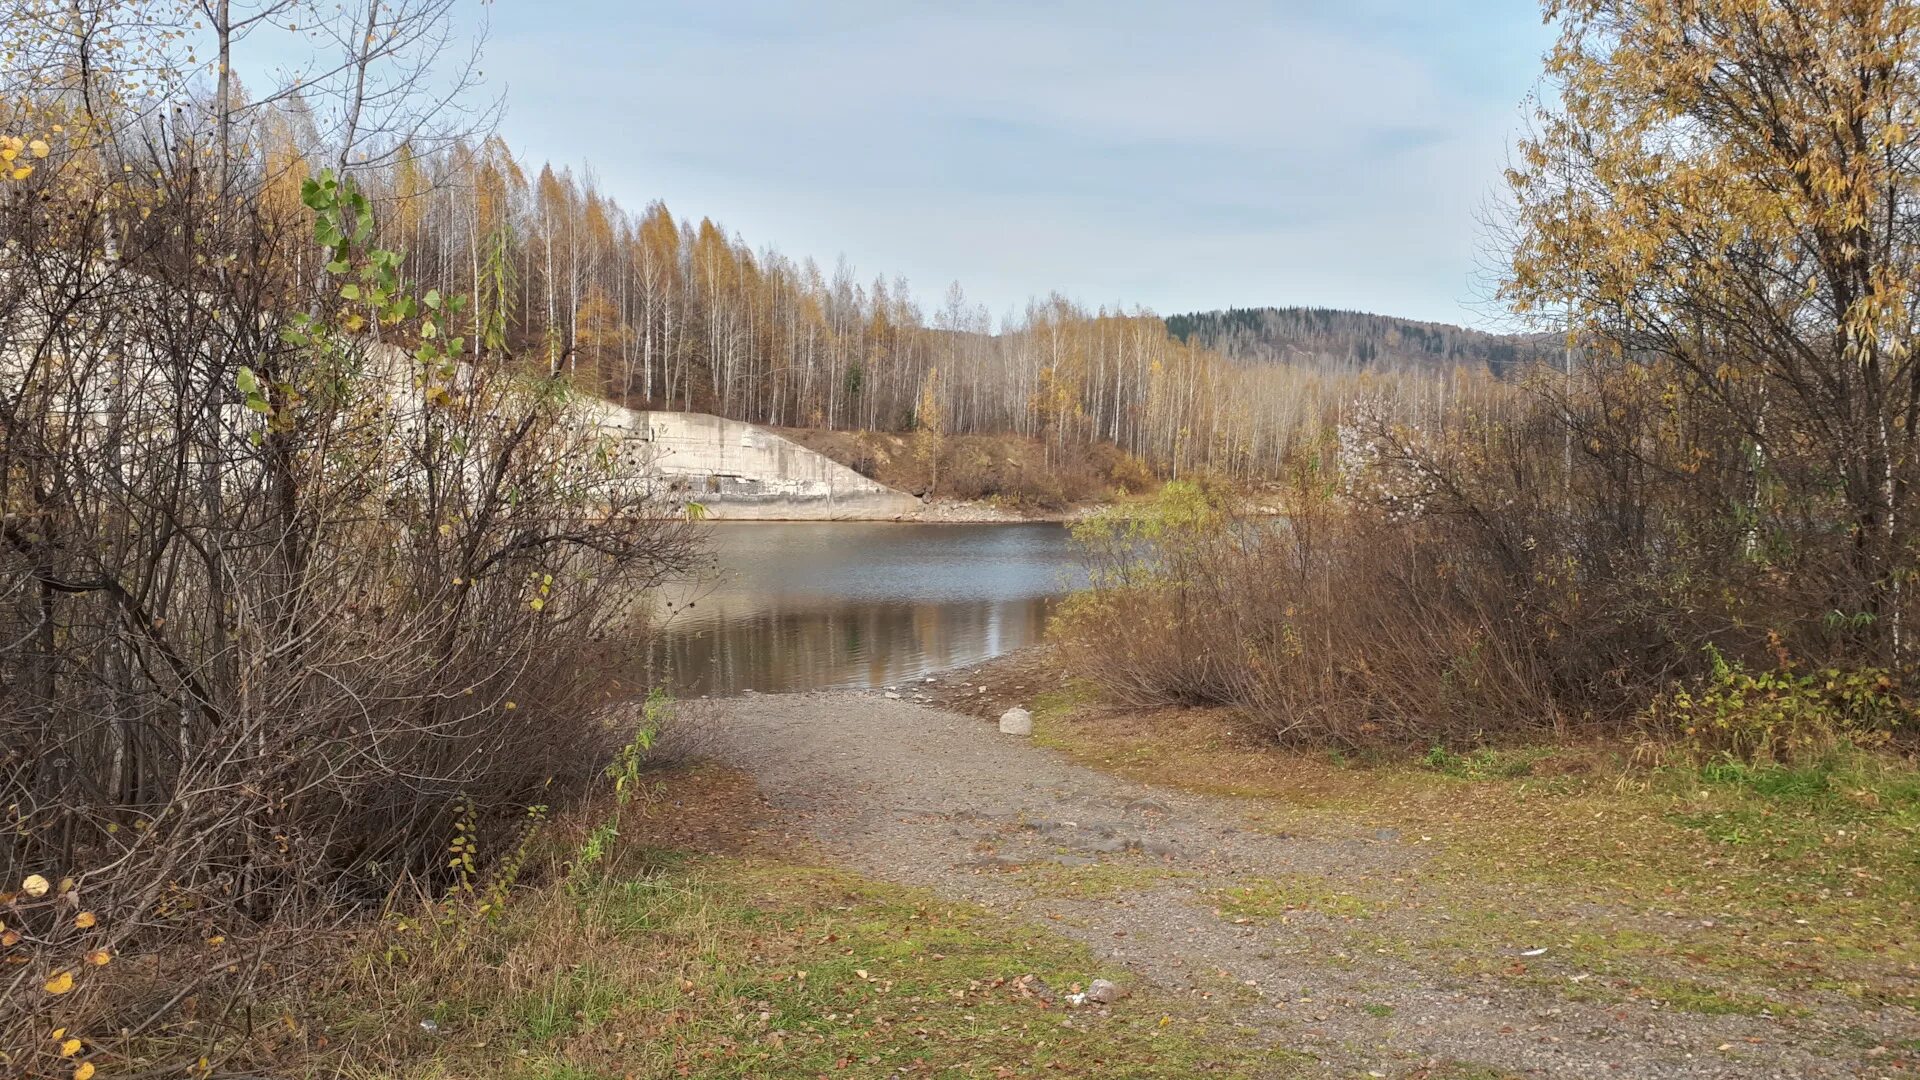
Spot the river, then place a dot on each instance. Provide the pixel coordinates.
(830, 605)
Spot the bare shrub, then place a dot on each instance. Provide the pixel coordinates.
(284, 609)
(1322, 627)
(1455, 583)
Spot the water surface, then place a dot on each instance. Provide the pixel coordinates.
(818, 605)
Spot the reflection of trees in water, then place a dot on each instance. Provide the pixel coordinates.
(782, 648)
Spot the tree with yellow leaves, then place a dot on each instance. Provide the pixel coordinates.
(930, 428)
(1726, 199)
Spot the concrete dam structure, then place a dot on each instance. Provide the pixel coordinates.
(743, 471)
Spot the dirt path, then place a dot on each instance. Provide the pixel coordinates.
(922, 796)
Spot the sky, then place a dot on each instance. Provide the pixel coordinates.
(1174, 156)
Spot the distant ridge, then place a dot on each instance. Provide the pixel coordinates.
(1329, 337)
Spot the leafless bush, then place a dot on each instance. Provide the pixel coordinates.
(285, 610)
(1450, 584)
(1324, 629)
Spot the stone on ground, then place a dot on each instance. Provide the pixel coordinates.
(1016, 721)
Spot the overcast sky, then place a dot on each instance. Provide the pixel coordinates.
(1177, 156)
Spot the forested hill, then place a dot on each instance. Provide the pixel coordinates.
(1353, 338)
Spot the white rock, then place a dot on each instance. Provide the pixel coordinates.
(1104, 991)
(1016, 721)
(891, 696)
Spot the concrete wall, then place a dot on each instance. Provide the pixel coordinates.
(742, 471)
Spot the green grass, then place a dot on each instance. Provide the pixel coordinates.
(728, 968)
(1486, 762)
(1695, 997)
(1772, 888)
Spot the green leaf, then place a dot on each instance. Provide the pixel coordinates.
(433, 299)
(350, 291)
(337, 266)
(245, 381)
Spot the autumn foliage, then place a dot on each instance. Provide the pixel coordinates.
(1713, 498)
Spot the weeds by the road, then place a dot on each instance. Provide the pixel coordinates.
(664, 962)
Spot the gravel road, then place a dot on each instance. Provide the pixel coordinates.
(918, 795)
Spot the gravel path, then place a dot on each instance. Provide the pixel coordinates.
(922, 796)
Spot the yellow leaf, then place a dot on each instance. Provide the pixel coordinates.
(57, 1032)
(35, 886)
(85, 920)
(84, 1071)
(23, 172)
(39, 147)
(70, 1048)
(99, 957)
(60, 983)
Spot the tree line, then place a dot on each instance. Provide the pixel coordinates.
(659, 311)
(1325, 336)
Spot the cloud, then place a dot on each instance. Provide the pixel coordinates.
(1173, 156)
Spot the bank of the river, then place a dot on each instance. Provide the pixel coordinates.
(992, 512)
(981, 478)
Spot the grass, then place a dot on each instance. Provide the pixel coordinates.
(1724, 889)
(738, 965)
(1279, 899)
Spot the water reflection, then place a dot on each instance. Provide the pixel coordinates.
(818, 605)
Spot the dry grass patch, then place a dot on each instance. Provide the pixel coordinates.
(1728, 890)
(710, 956)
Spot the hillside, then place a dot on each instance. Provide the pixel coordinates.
(1353, 338)
(1015, 472)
